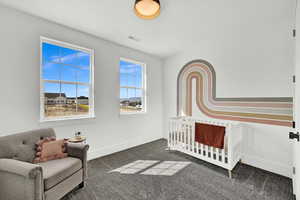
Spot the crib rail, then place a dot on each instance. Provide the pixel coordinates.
(182, 138)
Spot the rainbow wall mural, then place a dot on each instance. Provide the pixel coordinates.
(265, 110)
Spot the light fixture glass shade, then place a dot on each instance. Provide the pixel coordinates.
(147, 9)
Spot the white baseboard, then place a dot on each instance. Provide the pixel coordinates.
(268, 165)
(119, 147)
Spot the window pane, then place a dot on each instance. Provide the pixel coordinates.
(83, 100)
(51, 53)
(69, 73)
(130, 74)
(123, 99)
(136, 100)
(139, 93)
(55, 100)
(139, 76)
(123, 93)
(70, 106)
(131, 100)
(52, 71)
(83, 74)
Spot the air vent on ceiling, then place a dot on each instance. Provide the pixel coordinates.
(133, 38)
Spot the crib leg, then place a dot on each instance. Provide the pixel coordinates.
(230, 174)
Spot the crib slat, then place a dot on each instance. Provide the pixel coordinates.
(217, 154)
(190, 137)
(173, 132)
(201, 149)
(170, 133)
(193, 137)
(182, 135)
(223, 155)
(186, 137)
(196, 144)
(176, 133)
(206, 151)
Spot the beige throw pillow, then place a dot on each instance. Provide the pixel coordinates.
(50, 149)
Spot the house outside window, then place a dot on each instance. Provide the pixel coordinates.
(66, 81)
(132, 87)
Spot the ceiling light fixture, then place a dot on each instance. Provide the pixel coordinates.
(147, 9)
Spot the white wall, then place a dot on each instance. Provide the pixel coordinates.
(253, 59)
(19, 86)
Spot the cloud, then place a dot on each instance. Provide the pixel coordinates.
(129, 69)
(67, 58)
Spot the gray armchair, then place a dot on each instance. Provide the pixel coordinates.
(51, 180)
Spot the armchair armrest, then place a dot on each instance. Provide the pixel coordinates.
(79, 151)
(20, 180)
(27, 170)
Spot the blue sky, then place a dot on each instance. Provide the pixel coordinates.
(59, 63)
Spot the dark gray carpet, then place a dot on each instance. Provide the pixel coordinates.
(198, 181)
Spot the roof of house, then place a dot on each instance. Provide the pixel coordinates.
(54, 95)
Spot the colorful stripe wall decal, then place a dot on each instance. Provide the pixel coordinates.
(265, 110)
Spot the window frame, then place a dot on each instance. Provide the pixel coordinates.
(143, 88)
(91, 113)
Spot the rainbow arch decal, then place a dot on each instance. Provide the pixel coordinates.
(265, 110)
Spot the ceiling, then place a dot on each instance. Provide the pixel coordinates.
(182, 22)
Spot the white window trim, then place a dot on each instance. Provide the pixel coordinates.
(144, 87)
(91, 84)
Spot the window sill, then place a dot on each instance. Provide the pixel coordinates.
(67, 118)
(133, 113)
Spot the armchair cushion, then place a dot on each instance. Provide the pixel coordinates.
(55, 171)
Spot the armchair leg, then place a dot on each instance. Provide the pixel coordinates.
(81, 185)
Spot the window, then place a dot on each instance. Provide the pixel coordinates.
(66, 81)
(132, 87)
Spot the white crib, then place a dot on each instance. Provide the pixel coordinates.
(182, 138)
